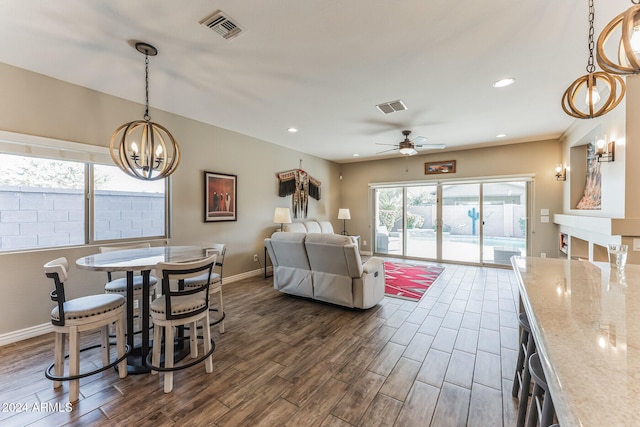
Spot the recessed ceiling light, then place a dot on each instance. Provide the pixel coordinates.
(356, 155)
(292, 130)
(501, 135)
(504, 82)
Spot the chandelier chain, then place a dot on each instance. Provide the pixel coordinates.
(590, 64)
(146, 87)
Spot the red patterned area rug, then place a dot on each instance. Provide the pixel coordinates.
(409, 281)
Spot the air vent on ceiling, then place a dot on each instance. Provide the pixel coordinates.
(390, 107)
(222, 24)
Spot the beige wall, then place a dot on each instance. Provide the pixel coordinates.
(37, 105)
(51, 108)
(535, 158)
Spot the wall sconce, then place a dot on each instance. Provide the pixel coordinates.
(561, 173)
(605, 151)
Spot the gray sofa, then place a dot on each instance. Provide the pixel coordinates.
(325, 267)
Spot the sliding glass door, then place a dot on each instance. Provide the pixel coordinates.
(504, 227)
(420, 219)
(388, 227)
(476, 223)
(460, 223)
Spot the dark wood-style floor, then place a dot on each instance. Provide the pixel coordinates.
(447, 360)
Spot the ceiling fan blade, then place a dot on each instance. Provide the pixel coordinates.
(413, 152)
(419, 139)
(386, 151)
(432, 146)
(380, 143)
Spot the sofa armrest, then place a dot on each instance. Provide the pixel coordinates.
(368, 290)
(373, 264)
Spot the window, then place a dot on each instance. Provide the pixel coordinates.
(120, 212)
(47, 200)
(41, 202)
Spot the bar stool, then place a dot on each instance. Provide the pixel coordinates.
(215, 284)
(545, 411)
(118, 286)
(178, 307)
(71, 318)
(522, 377)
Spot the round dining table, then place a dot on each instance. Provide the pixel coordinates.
(143, 260)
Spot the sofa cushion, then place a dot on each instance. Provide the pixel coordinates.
(294, 227)
(333, 253)
(312, 226)
(287, 250)
(325, 227)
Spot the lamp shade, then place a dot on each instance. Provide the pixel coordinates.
(344, 214)
(282, 216)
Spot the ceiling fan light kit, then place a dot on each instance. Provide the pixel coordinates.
(408, 147)
(586, 87)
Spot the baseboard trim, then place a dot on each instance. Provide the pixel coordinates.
(245, 275)
(23, 334)
(45, 328)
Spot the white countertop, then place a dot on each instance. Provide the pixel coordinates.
(585, 318)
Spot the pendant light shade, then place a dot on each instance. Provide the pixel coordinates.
(141, 148)
(584, 98)
(626, 29)
(597, 92)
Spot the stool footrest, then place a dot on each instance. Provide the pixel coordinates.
(161, 368)
(49, 375)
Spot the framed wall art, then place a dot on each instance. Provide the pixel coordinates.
(220, 197)
(447, 166)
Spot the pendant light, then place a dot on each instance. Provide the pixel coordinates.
(627, 24)
(585, 98)
(141, 148)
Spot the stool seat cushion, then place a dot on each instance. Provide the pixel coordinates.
(535, 367)
(88, 306)
(201, 280)
(120, 285)
(524, 322)
(179, 304)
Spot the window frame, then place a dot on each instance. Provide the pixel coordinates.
(55, 149)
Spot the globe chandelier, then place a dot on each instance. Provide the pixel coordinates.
(141, 148)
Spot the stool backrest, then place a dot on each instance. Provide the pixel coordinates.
(58, 271)
(221, 248)
(172, 271)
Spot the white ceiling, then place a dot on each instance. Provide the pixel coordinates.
(322, 65)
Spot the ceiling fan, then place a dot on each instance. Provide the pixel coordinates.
(408, 147)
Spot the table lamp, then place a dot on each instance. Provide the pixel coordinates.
(344, 215)
(283, 216)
